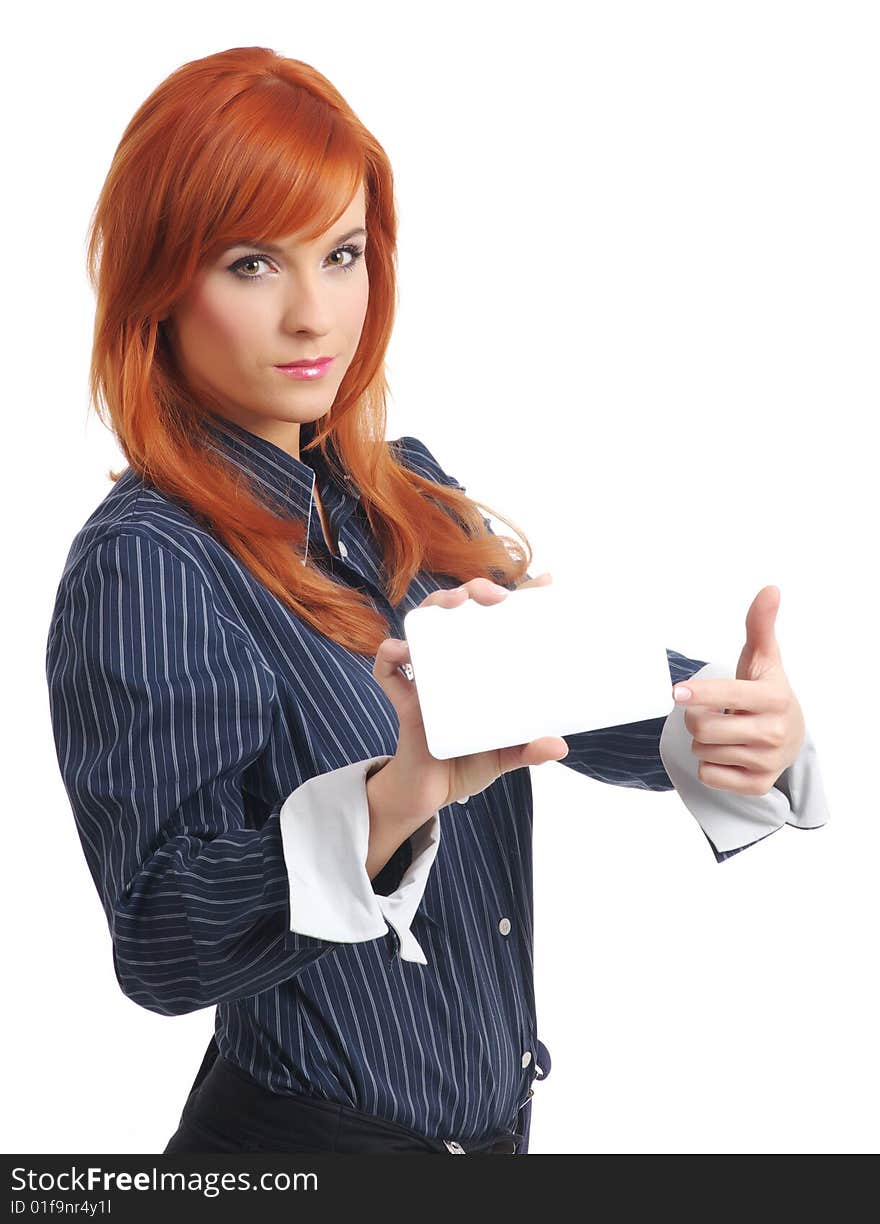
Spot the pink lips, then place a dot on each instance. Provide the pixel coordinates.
(307, 369)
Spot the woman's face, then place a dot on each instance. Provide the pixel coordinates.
(256, 307)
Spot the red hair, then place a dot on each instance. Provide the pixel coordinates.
(247, 141)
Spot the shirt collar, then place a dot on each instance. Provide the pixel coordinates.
(285, 482)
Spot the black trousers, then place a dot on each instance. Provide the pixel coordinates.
(228, 1111)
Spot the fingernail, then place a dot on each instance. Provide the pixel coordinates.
(682, 693)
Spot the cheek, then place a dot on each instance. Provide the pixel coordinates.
(223, 324)
(356, 310)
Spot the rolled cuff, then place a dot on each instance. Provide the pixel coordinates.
(729, 820)
(325, 834)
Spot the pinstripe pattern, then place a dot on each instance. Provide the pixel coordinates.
(187, 703)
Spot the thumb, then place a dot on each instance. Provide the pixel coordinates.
(536, 752)
(393, 653)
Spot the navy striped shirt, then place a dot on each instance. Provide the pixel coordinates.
(187, 703)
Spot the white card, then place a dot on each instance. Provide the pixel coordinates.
(542, 661)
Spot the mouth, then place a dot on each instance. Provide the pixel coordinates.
(315, 368)
(307, 362)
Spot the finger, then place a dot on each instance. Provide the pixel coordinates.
(446, 599)
(717, 728)
(541, 580)
(484, 591)
(741, 756)
(733, 778)
(750, 695)
(536, 752)
(393, 654)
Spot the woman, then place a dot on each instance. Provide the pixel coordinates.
(242, 749)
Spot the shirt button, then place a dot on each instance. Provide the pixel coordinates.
(343, 551)
(526, 1058)
(504, 926)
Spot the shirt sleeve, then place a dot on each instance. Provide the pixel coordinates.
(158, 708)
(325, 829)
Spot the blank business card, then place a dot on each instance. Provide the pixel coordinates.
(542, 661)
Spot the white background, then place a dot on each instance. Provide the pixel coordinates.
(639, 316)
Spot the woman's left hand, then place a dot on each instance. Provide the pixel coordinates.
(747, 749)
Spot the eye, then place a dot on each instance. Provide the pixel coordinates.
(248, 259)
(350, 248)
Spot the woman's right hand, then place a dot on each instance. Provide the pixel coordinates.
(424, 784)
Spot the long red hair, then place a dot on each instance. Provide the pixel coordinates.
(247, 141)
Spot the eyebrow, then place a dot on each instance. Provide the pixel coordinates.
(270, 246)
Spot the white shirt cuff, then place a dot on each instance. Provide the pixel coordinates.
(325, 836)
(730, 820)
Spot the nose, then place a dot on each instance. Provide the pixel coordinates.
(308, 307)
